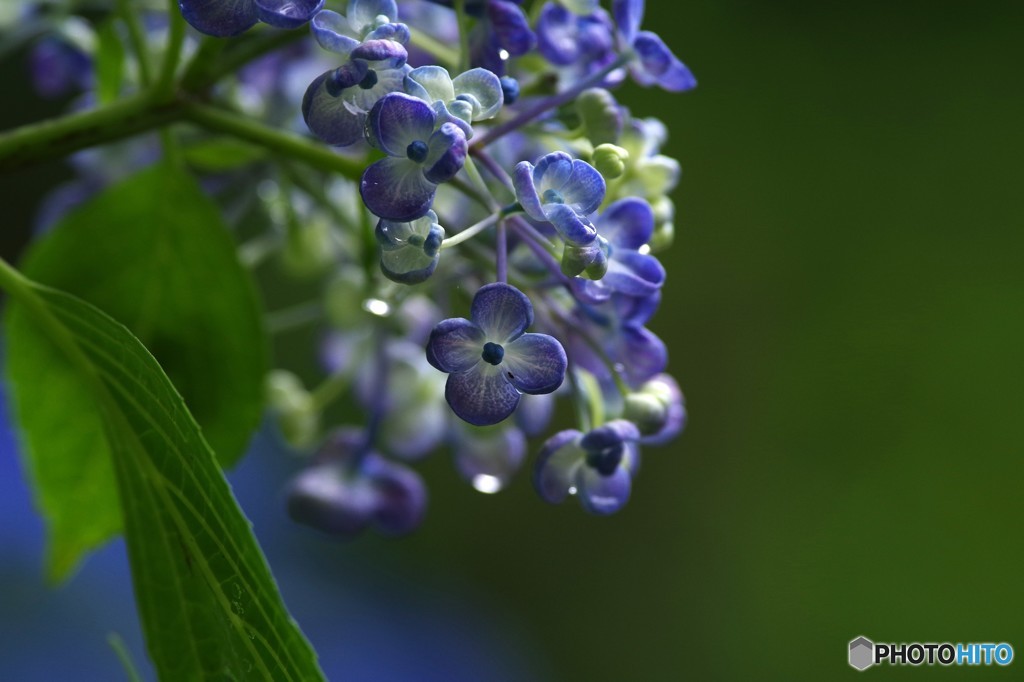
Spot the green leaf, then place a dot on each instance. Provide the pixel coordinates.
(109, 63)
(208, 604)
(154, 253)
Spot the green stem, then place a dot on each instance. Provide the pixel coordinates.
(138, 43)
(329, 390)
(57, 138)
(471, 231)
(448, 57)
(172, 53)
(121, 650)
(288, 144)
(460, 11)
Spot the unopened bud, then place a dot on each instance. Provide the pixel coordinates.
(610, 160)
(600, 114)
(297, 416)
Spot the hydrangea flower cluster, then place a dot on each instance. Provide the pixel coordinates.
(498, 253)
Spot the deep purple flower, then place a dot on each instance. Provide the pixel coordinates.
(502, 31)
(628, 225)
(567, 39)
(336, 103)
(490, 359)
(617, 325)
(655, 64)
(59, 68)
(597, 466)
(223, 18)
(401, 187)
(563, 191)
(409, 251)
(350, 489)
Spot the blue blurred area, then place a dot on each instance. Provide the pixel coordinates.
(378, 619)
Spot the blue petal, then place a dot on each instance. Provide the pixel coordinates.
(535, 363)
(396, 121)
(571, 227)
(327, 499)
(362, 14)
(611, 434)
(628, 223)
(430, 83)
(628, 15)
(659, 66)
(603, 495)
(332, 32)
(455, 345)
(447, 153)
(345, 76)
(557, 35)
(642, 353)
(388, 52)
(401, 495)
(554, 473)
(395, 189)
(633, 273)
(327, 116)
(552, 172)
(219, 18)
(534, 413)
(481, 395)
(511, 27)
(526, 190)
(484, 89)
(287, 14)
(584, 189)
(398, 33)
(501, 311)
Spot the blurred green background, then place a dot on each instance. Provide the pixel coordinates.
(845, 312)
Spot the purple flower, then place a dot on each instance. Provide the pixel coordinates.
(409, 251)
(597, 466)
(655, 64)
(490, 360)
(59, 68)
(475, 95)
(628, 225)
(401, 187)
(223, 18)
(563, 191)
(502, 31)
(336, 103)
(617, 326)
(567, 39)
(352, 488)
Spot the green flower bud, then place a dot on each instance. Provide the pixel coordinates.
(600, 115)
(647, 411)
(610, 160)
(664, 227)
(590, 261)
(297, 416)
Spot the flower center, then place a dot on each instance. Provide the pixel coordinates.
(369, 80)
(553, 196)
(606, 460)
(493, 353)
(417, 151)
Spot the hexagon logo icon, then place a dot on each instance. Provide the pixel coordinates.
(862, 653)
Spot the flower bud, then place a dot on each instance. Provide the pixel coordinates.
(610, 160)
(647, 411)
(297, 416)
(664, 228)
(600, 114)
(590, 261)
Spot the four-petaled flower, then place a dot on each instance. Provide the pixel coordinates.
(475, 95)
(597, 466)
(563, 191)
(628, 225)
(655, 64)
(409, 251)
(224, 18)
(490, 359)
(401, 187)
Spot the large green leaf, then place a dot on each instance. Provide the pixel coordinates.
(154, 253)
(208, 604)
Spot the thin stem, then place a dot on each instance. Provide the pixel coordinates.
(172, 53)
(494, 168)
(138, 43)
(288, 144)
(447, 56)
(580, 405)
(478, 182)
(217, 58)
(295, 316)
(460, 12)
(501, 264)
(329, 390)
(471, 231)
(121, 651)
(57, 138)
(549, 103)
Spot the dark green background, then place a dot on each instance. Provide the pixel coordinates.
(845, 312)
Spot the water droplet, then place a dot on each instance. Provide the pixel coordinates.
(572, 490)
(487, 484)
(645, 249)
(377, 307)
(503, 54)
